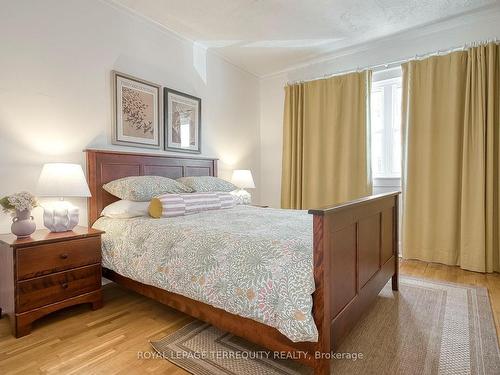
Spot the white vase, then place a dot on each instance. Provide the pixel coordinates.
(23, 224)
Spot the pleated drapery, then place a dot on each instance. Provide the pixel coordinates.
(451, 159)
(326, 141)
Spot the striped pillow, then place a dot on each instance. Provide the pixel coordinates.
(170, 205)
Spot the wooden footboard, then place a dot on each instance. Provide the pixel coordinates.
(355, 254)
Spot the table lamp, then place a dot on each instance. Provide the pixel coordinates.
(243, 179)
(61, 180)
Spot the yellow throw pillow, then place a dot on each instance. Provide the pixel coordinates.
(155, 208)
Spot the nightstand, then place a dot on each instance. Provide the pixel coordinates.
(47, 272)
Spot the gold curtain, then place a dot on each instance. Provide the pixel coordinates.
(325, 141)
(451, 144)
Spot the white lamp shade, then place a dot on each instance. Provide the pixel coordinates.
(243, 179)
(62, 180)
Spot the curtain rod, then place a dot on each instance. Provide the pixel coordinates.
(394, 64)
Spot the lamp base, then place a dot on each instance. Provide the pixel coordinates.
(242, 196)
(60, 216)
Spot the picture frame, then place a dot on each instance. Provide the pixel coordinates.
(182, 121)
(137, 112)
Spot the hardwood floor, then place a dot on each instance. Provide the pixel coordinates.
(106, 341)
(110, 340)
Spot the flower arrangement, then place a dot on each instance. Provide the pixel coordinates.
(18, 202)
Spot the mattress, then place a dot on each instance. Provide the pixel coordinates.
(253, 262)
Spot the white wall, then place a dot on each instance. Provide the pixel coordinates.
(55, 97)
(272, 96)
(452, 33)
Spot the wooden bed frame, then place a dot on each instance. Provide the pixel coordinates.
(355, 255)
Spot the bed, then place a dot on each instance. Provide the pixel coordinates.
(354, 254)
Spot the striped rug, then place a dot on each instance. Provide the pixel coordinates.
(427, 328)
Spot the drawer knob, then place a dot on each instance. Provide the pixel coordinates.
(64, 256)
(64, 285)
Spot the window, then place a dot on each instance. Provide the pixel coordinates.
(386, 127)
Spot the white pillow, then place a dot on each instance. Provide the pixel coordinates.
(124, 209)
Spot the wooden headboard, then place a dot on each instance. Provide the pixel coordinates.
(105, 166)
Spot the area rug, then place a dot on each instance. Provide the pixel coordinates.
(425, 328)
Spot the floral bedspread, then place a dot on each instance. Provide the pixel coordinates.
(249, 261)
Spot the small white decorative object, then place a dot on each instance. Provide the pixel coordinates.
(61, 180)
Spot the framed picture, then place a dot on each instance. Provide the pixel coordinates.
(182, 117)
(136, 112)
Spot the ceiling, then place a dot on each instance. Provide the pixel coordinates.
(267, 36)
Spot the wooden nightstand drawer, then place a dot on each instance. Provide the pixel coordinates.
(58, 256)
(56, 287)
(47, 272)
